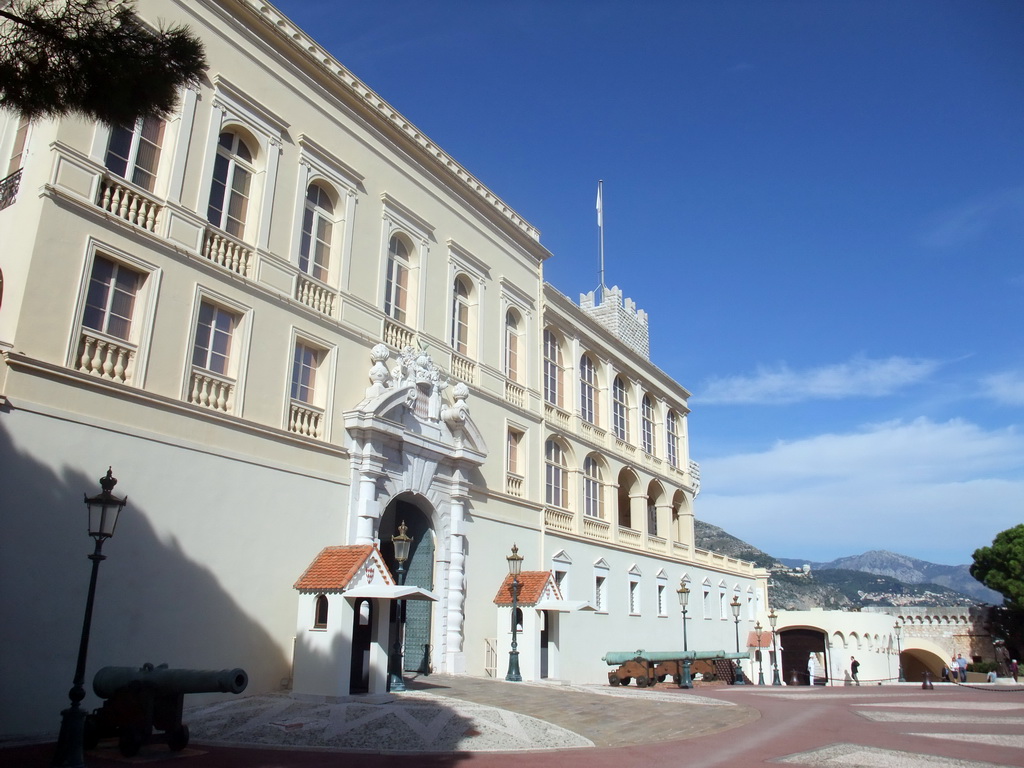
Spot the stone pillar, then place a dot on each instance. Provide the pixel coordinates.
(455, 657)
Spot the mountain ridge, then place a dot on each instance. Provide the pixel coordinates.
(877, 577)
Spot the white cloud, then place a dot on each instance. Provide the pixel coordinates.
(931, 490)
(860, 377)
(1004, 388)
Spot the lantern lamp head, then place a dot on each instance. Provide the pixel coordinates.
(104, 508)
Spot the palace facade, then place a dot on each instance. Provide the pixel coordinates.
(291, 323)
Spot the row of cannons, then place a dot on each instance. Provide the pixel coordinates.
(139, 702)
(646, 668)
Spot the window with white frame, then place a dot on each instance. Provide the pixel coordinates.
(706, 603)
(396, 286)
(672, 434)
(134, 153)
(620, 409)
(662, 604)
(601, 586)
(215, 328)
(512, 343)
(461, 312)
(111, 297)
(588, 390)
(116, 316)
(552, 369)
(634, 592)
(556, 487)
(513, 445)
(18, 148)
(317, 233)
(592, 488)
(305, 365)
(230, 189)
(647, 424)
(561, 564)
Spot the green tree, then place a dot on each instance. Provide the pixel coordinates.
(1001, 566)
(93, 58)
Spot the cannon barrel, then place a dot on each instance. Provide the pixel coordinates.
(616, 658)
(169, 681)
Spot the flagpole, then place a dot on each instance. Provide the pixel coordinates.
(600, 227)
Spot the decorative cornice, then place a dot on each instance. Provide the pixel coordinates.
(326, 62)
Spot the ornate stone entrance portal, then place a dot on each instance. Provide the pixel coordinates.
(409, 441)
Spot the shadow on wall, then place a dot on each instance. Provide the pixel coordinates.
(153, 602)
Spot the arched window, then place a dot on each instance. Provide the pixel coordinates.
(555, 475)
(552, 369)
(588, 390)
(620, 409)
(317, 231)
(460, 316)
(672, 432)
(396, 288)
(320, 615)
(134, 153)
(512, 345)
(592, 495)
(647, 424)
(232, 179)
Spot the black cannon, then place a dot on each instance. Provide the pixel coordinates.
(139, 701)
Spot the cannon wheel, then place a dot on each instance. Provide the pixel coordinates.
(641, 682)
(130, 741)
(613, 679)
(177, 738)
(661, 678)
(625, 680)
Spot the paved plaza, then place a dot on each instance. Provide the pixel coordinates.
(445, 721)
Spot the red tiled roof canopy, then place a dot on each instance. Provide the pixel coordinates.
(766, 639)
(531, 588)
(334, 567)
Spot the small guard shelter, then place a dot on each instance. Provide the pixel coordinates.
(344, 631)
(539, 604)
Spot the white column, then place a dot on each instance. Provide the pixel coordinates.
(455, 657)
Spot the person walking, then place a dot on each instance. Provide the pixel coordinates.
(1014, 670)
(854, 668)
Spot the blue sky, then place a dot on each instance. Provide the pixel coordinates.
(820, 204)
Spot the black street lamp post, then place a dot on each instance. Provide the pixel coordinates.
(760, 669)
(684, 679)
(773, 619)
(402, 543)
(103, 511)
(684, 601)
(735, 605)
(898, 630)
(515, 567)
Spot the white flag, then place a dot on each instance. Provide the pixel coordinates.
(600, 206)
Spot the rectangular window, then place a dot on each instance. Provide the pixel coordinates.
(552, 370)
(397, 290)
(599, 596)
(662, 607)
(647, 432)
(214, 330)
(17, 151)
(673, 439)
(634, 597)
(110, 300)
(514, 439)
(134, 154)
(307, 359)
